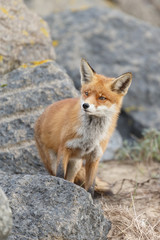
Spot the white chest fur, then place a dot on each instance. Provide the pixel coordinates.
(91, 132)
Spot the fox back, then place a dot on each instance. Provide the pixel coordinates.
(77, 130)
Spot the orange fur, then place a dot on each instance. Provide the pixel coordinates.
(61, 129)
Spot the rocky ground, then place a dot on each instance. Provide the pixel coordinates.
(39, 64)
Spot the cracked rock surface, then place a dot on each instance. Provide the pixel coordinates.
(46, 207)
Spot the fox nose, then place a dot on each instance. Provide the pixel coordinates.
(85, 105)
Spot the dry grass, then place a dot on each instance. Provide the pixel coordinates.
(127, 224)
(134, 207)
(134, 215)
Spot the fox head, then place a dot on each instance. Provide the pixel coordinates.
(101, 95)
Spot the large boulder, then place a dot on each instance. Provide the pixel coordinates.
(113, 43)
(24, 37)
(145, 10)
(5, 216)
(26, 93)
(45, 207)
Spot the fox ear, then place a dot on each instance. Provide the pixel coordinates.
(122, 83)
(86, 72)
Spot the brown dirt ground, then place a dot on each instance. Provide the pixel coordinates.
(134, 207)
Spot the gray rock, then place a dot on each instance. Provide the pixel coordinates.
(23, 159)
(113, 43)
(115, 143)
(145, 10)
(24, 36)
(43, 7)
(27, 92)
(5, 216)
(45, 207)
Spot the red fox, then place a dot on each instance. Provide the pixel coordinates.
(77, 130)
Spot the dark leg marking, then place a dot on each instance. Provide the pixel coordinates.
(91, 189)
(60, 169)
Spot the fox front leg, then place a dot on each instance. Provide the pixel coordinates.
(60, 169)
(91, 169)
(62, 164)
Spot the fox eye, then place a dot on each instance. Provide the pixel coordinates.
(86, 93)
(102, 98)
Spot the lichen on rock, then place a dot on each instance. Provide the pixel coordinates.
(24, 36)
